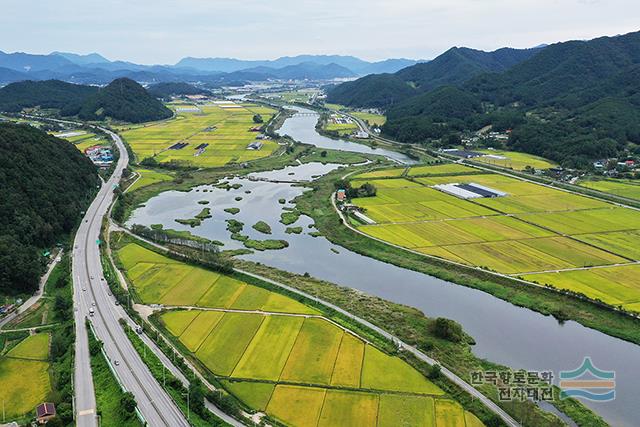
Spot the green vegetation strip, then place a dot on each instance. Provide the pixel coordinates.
(115, 407)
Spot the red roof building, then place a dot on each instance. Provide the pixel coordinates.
(45, 412)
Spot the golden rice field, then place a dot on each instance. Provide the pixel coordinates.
(226, 130)
(280, 356)
(24, 376)
(535, 231)
(620, 187)
(306, 371)
(514, 160)
(315, 406)
(161, 280)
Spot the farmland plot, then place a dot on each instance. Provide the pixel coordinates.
(536, 231)
(24, 376)
(227, 131)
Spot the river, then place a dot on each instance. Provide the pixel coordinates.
(302, 127)
(504, 333)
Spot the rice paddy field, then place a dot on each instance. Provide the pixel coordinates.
(226, 130)
(342, 128)
(514, 160)
(24, 376)
(620, 187)
(161, 280)
(82, 139)
(314, 406)
(307, 371)
(280, 356)
(544, 235)
(148, 177)
(372, 119)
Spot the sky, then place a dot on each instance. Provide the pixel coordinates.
(164, 31)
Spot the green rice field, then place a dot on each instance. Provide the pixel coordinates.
(148, 177)
(619, 187)
(24, 376)
(226, 130)
(370, 118)
(535, 231)
(161, 280)
(342, 128)
(514, 160)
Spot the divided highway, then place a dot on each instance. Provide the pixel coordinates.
(92, 292)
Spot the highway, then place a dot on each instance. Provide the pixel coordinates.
(91, 291)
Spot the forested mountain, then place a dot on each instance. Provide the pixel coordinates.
(454, 67)
(165, 90)
(67, 97)
(572, 102)
(123, 99)
(374, 90)
(45, 183)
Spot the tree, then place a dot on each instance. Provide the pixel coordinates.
(128, 405)
(257, 118)
(448, 329)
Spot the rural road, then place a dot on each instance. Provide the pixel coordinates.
(35, 297)
(91, 291)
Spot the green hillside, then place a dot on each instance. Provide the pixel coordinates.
(45, 183)
(454, 67)
(123, 99)
(67, 97)
(572, 102)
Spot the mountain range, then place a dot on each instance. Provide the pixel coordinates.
(572, 102)
(454, 67)
(96, 69)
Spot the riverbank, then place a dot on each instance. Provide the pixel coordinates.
(317, 205)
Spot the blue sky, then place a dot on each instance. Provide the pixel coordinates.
(163, 31)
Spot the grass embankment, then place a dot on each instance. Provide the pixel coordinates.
(317, 204)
